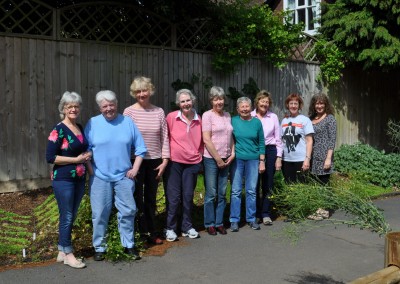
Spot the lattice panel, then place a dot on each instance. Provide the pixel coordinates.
(306, 50)
(25, 17)
(195, 35)
(114, 23)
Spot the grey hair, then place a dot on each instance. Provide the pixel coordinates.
(243, 100)
(68, 98)
(216, 92)
(187, 92)
(106, 95)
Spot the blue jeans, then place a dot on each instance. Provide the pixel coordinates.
(247, 169)
(102, 194)
(215, 181)
(267, 183)
(180, 190)
(68, 195)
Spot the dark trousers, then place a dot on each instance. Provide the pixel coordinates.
(146, 195)
(292, 172)
(181, 184)
(266, 182)
(322, 179)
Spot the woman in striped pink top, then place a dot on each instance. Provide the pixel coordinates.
(150, 120)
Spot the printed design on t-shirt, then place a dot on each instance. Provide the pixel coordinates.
(290, 137)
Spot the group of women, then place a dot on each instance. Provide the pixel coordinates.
(126, 156)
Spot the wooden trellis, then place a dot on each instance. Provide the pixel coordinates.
(115, 23)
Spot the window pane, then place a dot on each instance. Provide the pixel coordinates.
(312, 2)
(291, 4)
(301, 2)
(311, 17)
(291, 17)
(301, 16)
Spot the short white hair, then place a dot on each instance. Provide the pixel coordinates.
(106, 95)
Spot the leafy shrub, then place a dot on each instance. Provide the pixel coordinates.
(369, 164)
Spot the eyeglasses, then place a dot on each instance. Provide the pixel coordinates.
(72, 107)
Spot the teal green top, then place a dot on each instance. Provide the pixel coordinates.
(249, 138)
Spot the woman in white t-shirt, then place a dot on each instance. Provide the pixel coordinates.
(297, 131)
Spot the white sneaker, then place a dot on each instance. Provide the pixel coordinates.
(192, 233)
(267, 221)
(170, 236)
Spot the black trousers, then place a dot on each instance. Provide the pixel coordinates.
(146, 195)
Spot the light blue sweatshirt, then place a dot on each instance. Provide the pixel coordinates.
(111, 143)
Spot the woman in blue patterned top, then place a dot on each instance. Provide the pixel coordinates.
(67, 150)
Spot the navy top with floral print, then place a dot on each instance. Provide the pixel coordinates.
(63, 142)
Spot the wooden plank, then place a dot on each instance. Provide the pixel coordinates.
(22, 99)
(64, 68)
(50, 107)
(3, 112)
(38, 132)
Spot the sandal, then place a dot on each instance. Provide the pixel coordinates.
(315, 217)
(323, 213)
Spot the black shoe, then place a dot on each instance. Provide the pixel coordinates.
(133, 253)
(99, 256)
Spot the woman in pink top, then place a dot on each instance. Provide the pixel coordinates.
(218, 155)
(184, 128)
(273, 152)
(151, 122)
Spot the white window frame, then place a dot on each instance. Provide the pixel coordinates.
(297, 9)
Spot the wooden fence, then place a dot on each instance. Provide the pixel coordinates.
(35, 72)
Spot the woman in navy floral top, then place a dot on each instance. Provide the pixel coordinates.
(67, 150)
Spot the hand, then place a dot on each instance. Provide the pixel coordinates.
(161, 169)
(230, 159)
(278, 164)
(327, 164)
(132, 173)
(84, 157)
(306, 165)
(261, 167)
(221, 164)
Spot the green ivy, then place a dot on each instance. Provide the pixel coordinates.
(244, 30)
(366, 162)
(331, 61)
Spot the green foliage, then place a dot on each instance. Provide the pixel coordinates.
(363, 161)
(366, 31)
(244, 30)
(393, 131)
(14, 234)
(331, 59)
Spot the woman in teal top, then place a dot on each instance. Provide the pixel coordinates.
(249, 151)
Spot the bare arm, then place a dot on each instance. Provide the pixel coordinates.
(309, 144)
(212, 150)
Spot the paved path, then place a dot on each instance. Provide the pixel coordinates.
(325, 255)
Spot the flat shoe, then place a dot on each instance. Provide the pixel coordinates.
(99, 256)
(75, 264)
(211, 231)
(221, 229)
